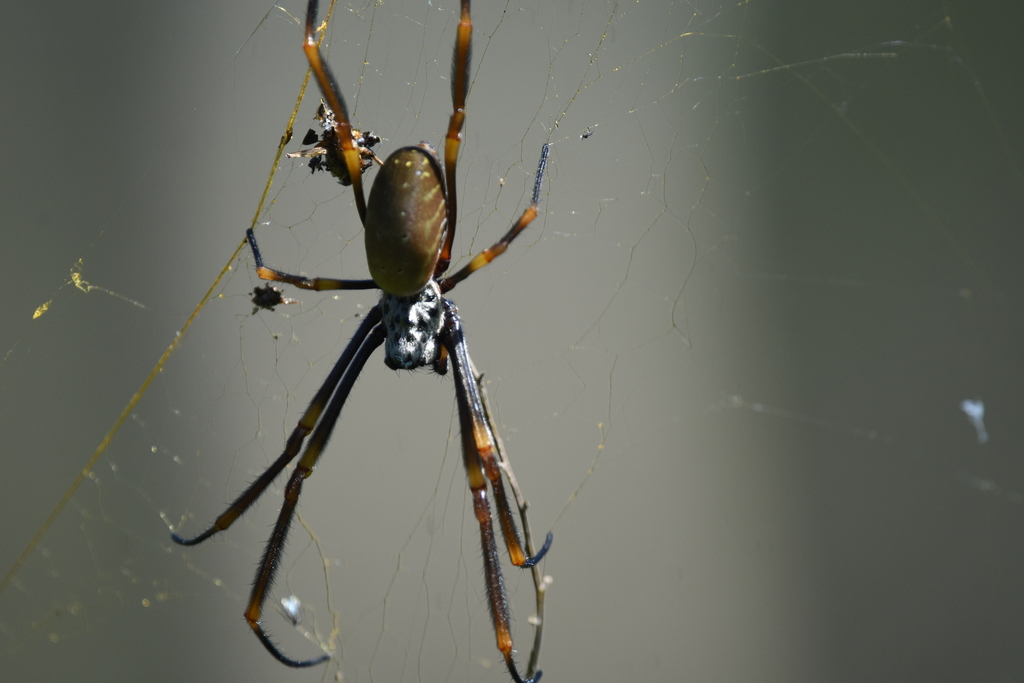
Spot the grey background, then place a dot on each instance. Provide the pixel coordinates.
(727, 358)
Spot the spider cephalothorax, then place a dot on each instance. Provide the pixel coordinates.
(412, 326)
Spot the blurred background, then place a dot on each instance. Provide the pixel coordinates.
(756, 363)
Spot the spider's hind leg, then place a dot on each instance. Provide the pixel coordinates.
(498, 248)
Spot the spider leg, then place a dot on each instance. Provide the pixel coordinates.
(540, 583)
(315, 283)
(460, 85)
(326, 154)
(306, 423)
(483, 442)
(499, 247)
(271, 555)
(335, 100)
(481, 467)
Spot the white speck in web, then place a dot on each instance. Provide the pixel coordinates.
(291, 606)
(975, 411)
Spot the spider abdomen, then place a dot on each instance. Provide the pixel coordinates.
(405, 221)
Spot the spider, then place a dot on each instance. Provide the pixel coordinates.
(409, 225)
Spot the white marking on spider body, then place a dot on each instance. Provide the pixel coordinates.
(413, 325)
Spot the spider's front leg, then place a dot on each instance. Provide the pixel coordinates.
(358, 351)
(481, 466)
(317, 422)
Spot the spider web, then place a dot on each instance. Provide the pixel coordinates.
(776, 251)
